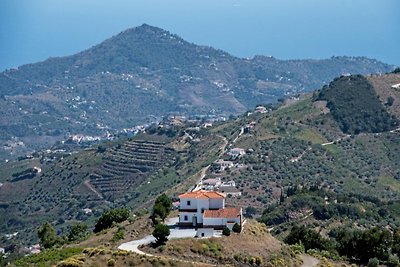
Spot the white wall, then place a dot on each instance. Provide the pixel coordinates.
(208, 232)
(189, 216)
(202, 204)
(217, 203)
(184, 205)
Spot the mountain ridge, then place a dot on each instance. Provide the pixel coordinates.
(141, 75)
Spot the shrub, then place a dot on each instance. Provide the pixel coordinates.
(236, 228)
(120, 234)
(109, 217)
(226, 231)
(374, 262)
(110, 262)
(393, 261)
(77, 231)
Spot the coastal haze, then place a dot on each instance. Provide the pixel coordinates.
(32, 31)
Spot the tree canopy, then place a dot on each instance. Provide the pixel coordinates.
(161, 209)
(161, 233)
(47, 236)
(109, 217)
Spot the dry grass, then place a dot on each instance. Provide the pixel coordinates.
(383, 87)
(102, 257)
(139, 228)
(254, 246)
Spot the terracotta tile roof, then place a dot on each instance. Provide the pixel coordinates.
(222, 213)
(202, 194)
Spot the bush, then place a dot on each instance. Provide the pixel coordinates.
(109, 217)
(393, 261)
(226, 231)
(120, 234)
(374, 262)
(236, 228)
(110, 262)
(77, 232)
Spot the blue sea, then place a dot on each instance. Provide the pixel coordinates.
(33, 30)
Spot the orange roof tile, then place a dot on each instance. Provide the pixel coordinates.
(202, 194)
(222, 213)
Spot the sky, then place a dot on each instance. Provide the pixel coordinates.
(34, 30)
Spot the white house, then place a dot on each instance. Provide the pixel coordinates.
(212, 181)
(229, 191)
(223, 164)
(261, 109)
(236, 152)
(206, 208)
(218, 219)
(193, 204)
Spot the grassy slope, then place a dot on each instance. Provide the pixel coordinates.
(254, 242)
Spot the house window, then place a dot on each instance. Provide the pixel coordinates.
(202, 210)
(185, 218)
(188, 202)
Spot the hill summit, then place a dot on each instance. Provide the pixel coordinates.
(140, 75)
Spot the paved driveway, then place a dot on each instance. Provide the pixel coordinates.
(174, 234)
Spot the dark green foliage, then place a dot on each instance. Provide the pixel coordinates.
(101, 149)
(236, 228)
(396, 242)
(354, 244)
(110, 217)
(373, 262)
(119, 234)
(373, 243)
(393, 261)
(26, 174)
(250, 211)
(47, 236)
(397, 70)
(161, 209)
(226, 231)
(78, 231)
(390, 101)
(356, 107)
(308, 237)
(161, 233)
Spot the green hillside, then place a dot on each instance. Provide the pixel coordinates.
(300, 167)
(128, 172)
(140, 75)
(355, 105)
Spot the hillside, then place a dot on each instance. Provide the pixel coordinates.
(357, 107)
(299, 167)
(141, 75)
(299, 154)
(79, 187)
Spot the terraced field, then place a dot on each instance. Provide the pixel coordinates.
(127, 166)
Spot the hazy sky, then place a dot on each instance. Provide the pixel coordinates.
(33, 30)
